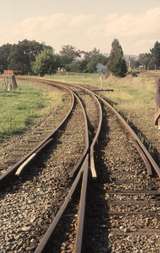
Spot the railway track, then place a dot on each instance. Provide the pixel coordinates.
(16, 157)
(9, 198)
(111, 201)
(77, 209)
(30, 203)
(125, 208)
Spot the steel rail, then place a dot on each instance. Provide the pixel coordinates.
(94, 141)
(21, 164)
(77, 166)
(93, 144)
(142, 149)
(90, 159)
(83, 165)
(78, 247)
(63, 85)
(145, 155)
(47, 236)
(144, 158)
(92, 147)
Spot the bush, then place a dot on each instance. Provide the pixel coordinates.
(117, 64)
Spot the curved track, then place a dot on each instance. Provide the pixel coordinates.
(82, 162)
(87, 176)
(126, 203)
(81, 178)
(153, 190)
(40, 143)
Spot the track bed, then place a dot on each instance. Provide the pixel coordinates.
(126, 214)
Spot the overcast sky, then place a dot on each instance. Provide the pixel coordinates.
(83, 23)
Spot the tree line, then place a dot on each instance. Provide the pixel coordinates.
(19, 57)
(32, 57)
(148, 61)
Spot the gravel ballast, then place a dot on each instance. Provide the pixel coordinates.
(28, 207)
(123, 216)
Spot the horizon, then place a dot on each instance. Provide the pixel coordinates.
(83, 25)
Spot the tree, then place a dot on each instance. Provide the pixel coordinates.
(155, 51)
(133, 62)
(18, 60)
(74, 66)
(145, 60)
(20, 56)
(75, 60)
(68, 54)
(117, 64)
(45, 63)
(94, 58)
(4, 56)
(70, 51)
(91, 59)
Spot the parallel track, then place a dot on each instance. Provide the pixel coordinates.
(145, 156)
(86, 171)
(86, 162)
(124, 214)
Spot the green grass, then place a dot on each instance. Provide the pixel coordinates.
(20, 108)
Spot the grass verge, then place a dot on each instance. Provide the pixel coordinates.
(19, 109)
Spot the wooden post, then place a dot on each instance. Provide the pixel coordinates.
(9, 80)
(14, 82)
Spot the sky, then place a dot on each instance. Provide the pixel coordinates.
(84, 24)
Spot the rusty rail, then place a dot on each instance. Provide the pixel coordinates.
(83, 166)
(80, 171)
(147, 158)
(94, 141)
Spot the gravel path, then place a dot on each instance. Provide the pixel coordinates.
(27, 208)
(123, 217)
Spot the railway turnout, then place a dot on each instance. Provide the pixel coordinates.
(104, 195)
